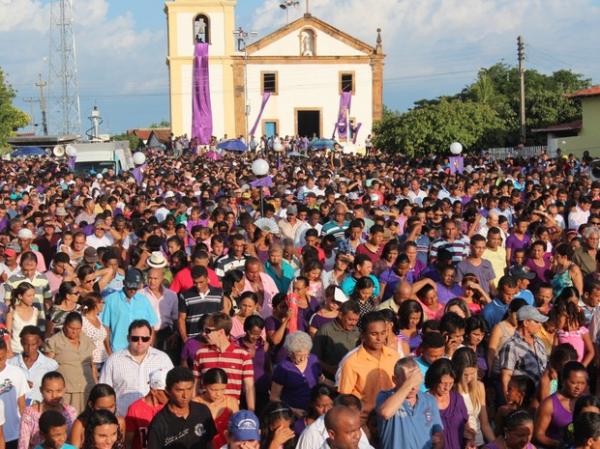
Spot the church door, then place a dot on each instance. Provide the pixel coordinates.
(308, 123)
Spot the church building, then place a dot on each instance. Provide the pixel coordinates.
(307, 78)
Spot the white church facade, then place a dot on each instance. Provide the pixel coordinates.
(298, 73)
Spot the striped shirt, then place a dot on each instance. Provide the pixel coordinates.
(459, 248)
(235, 361)
(195, 305)
(335, 229)
(39, 282)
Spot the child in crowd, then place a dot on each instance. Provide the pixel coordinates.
(53, 429)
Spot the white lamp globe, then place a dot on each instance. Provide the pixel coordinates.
(456, 148)
(277, 146)
(260, 167)
(139, 158)
(71, 151)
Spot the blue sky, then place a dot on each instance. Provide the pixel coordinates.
(433, 47)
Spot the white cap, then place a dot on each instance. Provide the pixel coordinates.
(25, 234)
(158, 379)
(340, 296)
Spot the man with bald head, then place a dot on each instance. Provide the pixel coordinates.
(165, 305)
(343, 428)
(402, 292)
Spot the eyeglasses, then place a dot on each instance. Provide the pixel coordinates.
(208, 330)
(137, 338)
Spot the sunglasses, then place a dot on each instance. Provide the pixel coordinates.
(208, 330)
(137, 338)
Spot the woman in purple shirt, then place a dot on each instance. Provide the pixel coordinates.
(294, 377)
(257, 347)
(439, 379)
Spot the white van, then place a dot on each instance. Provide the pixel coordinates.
(98, 157)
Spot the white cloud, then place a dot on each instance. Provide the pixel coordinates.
(429, 37)
(115, 55)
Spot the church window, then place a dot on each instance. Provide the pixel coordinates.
(269, 82)
(201, 29)
(347, 82)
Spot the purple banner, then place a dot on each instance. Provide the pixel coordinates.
(201, 108)
(71, 162)
(265, 99)
(267, 181)
(342, 122)
(355, 131)
(138, 174)
(457, 164)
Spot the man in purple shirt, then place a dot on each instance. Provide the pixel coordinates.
(518, 239)
(448, 289)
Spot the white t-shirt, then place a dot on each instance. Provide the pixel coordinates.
(13, 385)
(95, 242)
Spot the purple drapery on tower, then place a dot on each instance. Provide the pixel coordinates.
(265, 98)
(201, 109)
(342, 123)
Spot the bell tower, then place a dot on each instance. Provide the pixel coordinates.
(201, 21)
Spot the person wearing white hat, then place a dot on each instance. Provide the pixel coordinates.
(140, 413)
(25, 237)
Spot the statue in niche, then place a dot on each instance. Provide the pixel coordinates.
(201, 30)
(307, 42)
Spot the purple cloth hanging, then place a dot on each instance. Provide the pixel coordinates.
(265, 99)
(71, 162)
(342, 122)
(355, 131)
(201, 108)
(457, 164)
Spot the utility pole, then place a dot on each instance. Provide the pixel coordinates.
(242, 37)
(41, 84)
(31, 100)
(521, 55)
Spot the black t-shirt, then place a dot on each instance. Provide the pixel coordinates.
(194, 432)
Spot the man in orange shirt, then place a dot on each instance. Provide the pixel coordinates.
(369, 369)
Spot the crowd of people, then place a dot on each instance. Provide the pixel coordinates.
(342, 302)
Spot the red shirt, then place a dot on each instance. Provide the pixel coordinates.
(362, 249)
(183, 280)
(138, 418)
(235, 361)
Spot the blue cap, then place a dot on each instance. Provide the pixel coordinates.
(244, 426)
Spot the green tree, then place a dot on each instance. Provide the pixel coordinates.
(431, 128)
(161, 124)
(11, 118)
(484, 113)
(134, 141)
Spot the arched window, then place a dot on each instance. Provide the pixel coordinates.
(201, 29)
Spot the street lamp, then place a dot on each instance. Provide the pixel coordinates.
(260, 168)
(241, 36)
(286, 5)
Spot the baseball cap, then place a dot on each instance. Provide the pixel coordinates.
(530, 313)
(292, 210)
(133, 278)
(340, 296)
(90, 255)
(521, 272)
(244, 426)
(158, 379)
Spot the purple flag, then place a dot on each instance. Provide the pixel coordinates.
(457, 164)
(201, 108)
(342, 122)
(355, 131)
(265, 98)
(267, 181)
(138, 174)
(71, 162)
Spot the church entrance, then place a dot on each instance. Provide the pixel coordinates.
(308, 123)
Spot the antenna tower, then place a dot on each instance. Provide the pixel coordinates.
(63, 82)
